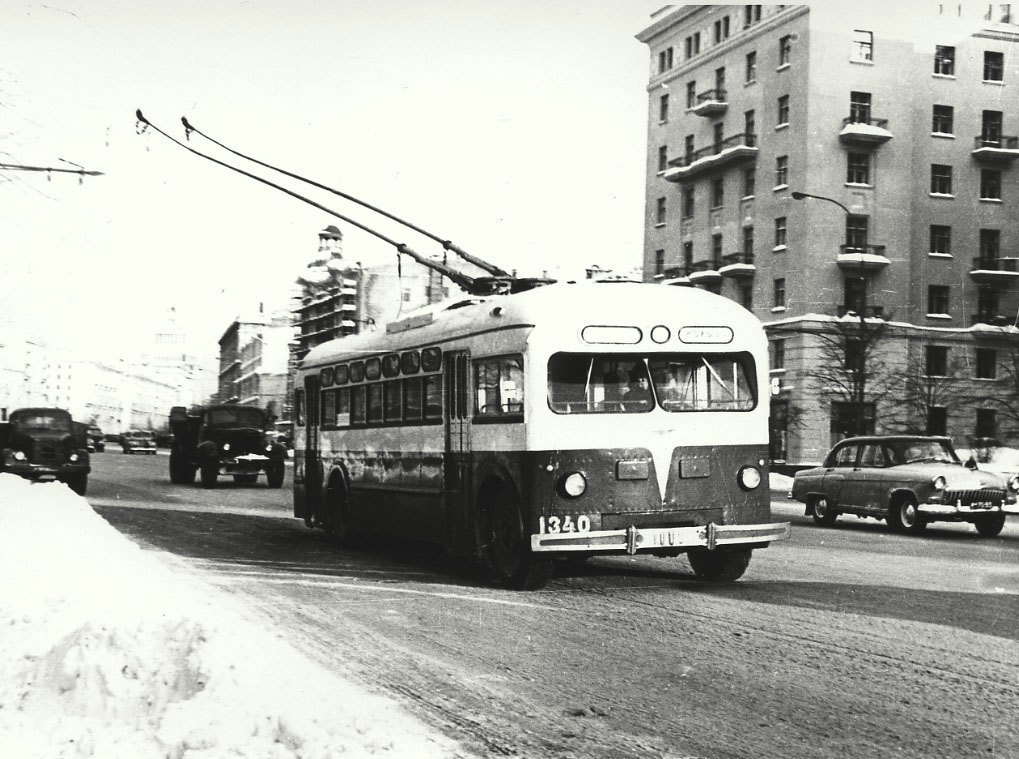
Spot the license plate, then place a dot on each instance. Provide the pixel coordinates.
(982, 505)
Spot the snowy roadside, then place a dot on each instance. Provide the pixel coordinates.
(104, 652)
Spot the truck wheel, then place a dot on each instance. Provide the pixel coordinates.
(178, 468)
(274, 474)
(78, 483)
(210, 473)
(719, 566)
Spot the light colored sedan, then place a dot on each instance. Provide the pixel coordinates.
(138, 441)
(909, 481)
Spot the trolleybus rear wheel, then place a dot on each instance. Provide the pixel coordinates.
(504, 542)
(719, 566)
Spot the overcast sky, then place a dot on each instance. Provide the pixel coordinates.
(515, 129)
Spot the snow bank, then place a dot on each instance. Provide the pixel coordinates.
(104, 652)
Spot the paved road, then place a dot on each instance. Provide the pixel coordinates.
(844, 641)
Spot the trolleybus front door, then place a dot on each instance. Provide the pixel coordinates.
(312, 450)
(456, 468)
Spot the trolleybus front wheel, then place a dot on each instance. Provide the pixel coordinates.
(504, 543)
(719, 566)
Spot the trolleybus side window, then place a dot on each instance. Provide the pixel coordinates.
(412, 399)
(374, 403)
(499, 386)
(357, 405)
(617, 383)
(433, 397)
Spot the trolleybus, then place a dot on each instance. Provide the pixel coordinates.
(573, 419)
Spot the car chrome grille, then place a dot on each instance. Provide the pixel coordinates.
(966, 497)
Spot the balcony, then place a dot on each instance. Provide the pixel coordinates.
(1002, 150)
(676, 275)
(990, 270)
(865, 131)
(869, 312)
(704, 273)
(862, 257)
(736, 149)
(737, 265)
(711, 103)
(989, 319)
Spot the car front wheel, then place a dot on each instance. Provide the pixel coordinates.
(990, 525)
(904, 516)
(822, 511)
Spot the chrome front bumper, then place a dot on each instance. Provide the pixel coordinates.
(956, 510)
(637, 539)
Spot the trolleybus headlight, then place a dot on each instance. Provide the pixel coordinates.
(573, 485)
(749, 477)
(1013, 483)
(939, 482)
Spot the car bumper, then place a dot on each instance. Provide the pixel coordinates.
(43, 472)
(249, 463)
(962, 511)
(647, 539)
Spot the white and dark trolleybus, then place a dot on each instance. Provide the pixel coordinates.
(566, 420)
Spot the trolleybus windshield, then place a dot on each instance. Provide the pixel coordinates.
(675, 382)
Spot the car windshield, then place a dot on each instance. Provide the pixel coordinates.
(915, 451)
(674, 382)
(41, 420)
(236, 417)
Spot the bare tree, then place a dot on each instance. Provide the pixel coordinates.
(908, 411)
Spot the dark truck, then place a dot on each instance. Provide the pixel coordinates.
(45, 444)
(224, 439)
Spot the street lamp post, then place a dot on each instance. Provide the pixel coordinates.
(859, 389)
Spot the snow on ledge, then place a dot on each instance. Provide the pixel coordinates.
(106, 653)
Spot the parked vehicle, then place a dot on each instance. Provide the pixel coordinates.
(909, 481)
(45, 444)
(138, 441)
(224, 439)
(95, 440)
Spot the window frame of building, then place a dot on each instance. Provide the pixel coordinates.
(941, 179)
(751, 15)
(688, 202)
(985, 364)
(750, 72)
(783, 111)
(663, 109)
(665, 60)
(990, 184)
(935, 362)
(781, 172)
(938, 299)
(862, 46)
(857, 232)
(778, 294)
(716, 250)
(781, 233)
(860, 104)
(858, 168)
(778, 354)
(717, 192)
(785, 50)
(687, 256)
(663, 158)
(748, 243)
(988, 303)
(660, 211)
(937, 420)
(940, 240)
(659, 260)
(942, 119)
(989, 244)
(944, 60)
(746, 296)
(749, 181)
(691, 94)
(986, 423)
(994, 66)
(688, 148)
(692, 45)
(721, 29)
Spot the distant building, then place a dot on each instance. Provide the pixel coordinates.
(847, 171)
(253, 356)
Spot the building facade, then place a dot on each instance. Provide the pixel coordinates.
(847, 173)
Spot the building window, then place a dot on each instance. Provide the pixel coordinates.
(746, 297)
(781, 171)
(716, 250)
(785, 47)
(718, 136)
(693, 44)
(660, 211)
(751, 69)
(721, 29)
(659, 261)
(990, 128)
(748, 244)
(663, 109)
(990, 184)
(778, 354)
(857, 228)
(663, 158)
(854, 295)
(941, 179)
(688, 204)
(994, 66)
(720, 83)
(990, 244)
(937, 420)
(688, 149)
(780, 232)
(783, 110)
(987, 423)
(855, 356)
(941, 240)
(858, 168)
(944, 60)
(863, 45)
(941, 123)
(936, 361)
(778, 294)
(859, 107)
(687, 256)
(665, 60)
(987, 305)
(749, 180)
(986, 363)
(717, 192)
(751, 15)
(937, 299)
(691, 94)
